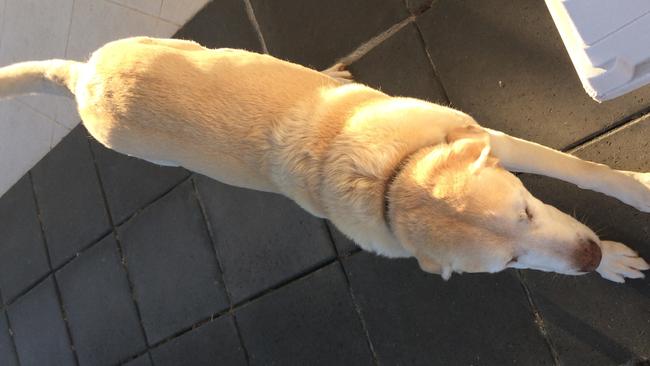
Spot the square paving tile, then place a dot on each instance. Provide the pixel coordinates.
(504, 63)
(418, 6)
(399, 66)
(315, 33)
(140, 361)
(95, 23)
(99, 306)
(39, 330)
(180, 12)
(262, 239)
(7, 353)
(172, 264)
(213, 343)
(593, 321)
(23, 259)
(311, 321)
(415, 318)
(132, 183)
(69, 197)
(222, 24)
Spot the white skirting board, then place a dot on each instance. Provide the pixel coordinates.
(608, 42)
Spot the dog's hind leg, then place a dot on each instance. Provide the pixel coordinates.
(528, 157)
(338, 72)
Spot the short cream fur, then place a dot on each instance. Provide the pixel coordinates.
(400, 176)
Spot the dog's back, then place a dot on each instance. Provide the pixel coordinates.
(208, 110)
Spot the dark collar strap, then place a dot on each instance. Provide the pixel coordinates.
(389, 182)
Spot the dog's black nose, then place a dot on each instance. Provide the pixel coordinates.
(587, 256)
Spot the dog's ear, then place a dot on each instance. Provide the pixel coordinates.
(429, 265)
(471, 142)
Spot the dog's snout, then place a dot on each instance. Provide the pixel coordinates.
(587, 256)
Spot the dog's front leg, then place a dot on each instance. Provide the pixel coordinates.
(528, 157)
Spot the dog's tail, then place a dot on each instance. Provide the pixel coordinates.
(35, 77)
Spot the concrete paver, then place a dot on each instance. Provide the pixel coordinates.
(7, 353)
(504, 63)
(316, 33)
(214, 343)
(69, 198)
(222, 24)
(593, 321)
(23, 259)
(416, 318)
(130, 183)
(39, 330)
(256, 257)
(310, 321)
(399, 66)
(95, 294)
(171, 262)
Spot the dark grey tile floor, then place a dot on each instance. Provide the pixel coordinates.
(106, 259)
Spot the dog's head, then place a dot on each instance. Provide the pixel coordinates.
(457, 210)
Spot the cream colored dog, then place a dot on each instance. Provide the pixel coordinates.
(400, 176)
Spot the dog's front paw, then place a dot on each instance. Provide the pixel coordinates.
(638, 191)
(618, 262)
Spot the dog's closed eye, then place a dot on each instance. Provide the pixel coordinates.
(527, 215)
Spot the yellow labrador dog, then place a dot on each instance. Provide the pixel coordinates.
(400, 176)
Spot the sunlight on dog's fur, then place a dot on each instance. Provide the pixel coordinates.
(400, 176)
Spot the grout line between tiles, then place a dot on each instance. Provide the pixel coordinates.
(423, 44)
(422, 9)
(162, 4)
(26, 105)
(10, 330)
(141, 12)
(539, 320)
(54, 270)
(238, 305)
(606, 132)
(217, 258)
(147, 205)
(375, 41)
(357, 308)
(118, 243)
(253, 19)
(90, 245)
(67, 38)
(57, 290)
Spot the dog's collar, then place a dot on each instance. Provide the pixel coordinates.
(389, 183)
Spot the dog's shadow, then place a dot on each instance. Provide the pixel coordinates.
(586, 328)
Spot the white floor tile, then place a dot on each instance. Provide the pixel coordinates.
(59, 108)
(151, 7)
(25, 136)
(180, 11)
(34, 30)
(58, 133)
(2, 11)
(96, 22)
(37, 30)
